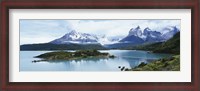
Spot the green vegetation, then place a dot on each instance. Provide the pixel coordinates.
(170, 46)
(73, 55)
(165, 64)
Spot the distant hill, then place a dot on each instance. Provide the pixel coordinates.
(170, 46)
(49, 46)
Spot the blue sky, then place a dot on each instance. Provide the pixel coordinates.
(42, 31)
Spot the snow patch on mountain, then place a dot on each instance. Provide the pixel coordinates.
(76, 37)
(135, 34)
(103, 40)
(135, 31)
(169, 32)
(82, 38)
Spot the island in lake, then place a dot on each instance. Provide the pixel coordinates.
(63, 55)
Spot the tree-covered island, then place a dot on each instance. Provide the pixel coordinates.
(64, 55)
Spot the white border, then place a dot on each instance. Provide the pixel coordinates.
(143, 76)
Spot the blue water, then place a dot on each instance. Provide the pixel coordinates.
(125, 58)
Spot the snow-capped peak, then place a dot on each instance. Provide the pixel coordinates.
(135, 31)
(149, 35)
(76, 37)
(82, 38)
(169, 32)
(135, 35)
(169, 28)
(103, 40)
(73, 32)
(147, 29)
(138, 27)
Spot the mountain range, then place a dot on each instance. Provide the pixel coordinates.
(136, 36)
(82, 38)
(170, 46)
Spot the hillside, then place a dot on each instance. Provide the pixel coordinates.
(49, 46)
(170, 46)
(165, 64)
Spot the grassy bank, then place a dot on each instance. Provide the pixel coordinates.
(165, 64)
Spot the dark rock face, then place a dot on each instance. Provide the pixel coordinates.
(132, 39)
(136, 35)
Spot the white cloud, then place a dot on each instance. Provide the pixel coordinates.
(41, 31)
(120, 27)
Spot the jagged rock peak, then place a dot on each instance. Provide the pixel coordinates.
(73, 32)
(138, 27)
(135, 31)
(147, 29)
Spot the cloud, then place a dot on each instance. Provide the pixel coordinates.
(41, 31)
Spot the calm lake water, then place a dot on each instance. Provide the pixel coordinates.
(127, 58)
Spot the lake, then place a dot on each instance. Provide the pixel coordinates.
(125, 58)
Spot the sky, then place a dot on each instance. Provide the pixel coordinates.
(43, 31)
